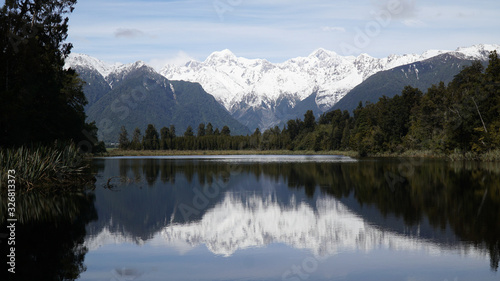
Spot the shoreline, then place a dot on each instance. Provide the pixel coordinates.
(492, 156)
(117, 152)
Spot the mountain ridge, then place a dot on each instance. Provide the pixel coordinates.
(253, 89)
(135, 95)
(261, 94)
(421, 74)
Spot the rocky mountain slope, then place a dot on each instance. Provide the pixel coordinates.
(135, 95)
(262, 94)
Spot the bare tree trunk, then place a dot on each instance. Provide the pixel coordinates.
(477, 108)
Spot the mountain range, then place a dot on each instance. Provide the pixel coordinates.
(256, 92)
(420, 74)
(135, 95)
(325, 228)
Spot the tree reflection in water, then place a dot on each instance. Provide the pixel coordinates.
(50, 234)
(461, 197)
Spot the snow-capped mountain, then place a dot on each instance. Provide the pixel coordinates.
(262, 94)
(135, 95)
(231, 79)
(244, 86)
(236, 224)
(86, 61)
(112, 73)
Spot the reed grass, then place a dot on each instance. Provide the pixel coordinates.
(488, 156)
(43, 166)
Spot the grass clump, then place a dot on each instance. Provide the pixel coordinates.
(44, 166)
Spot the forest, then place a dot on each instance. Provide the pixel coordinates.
(462, 117)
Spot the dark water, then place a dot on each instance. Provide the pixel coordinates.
(267, 218)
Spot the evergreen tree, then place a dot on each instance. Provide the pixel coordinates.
(201, 130)
(427, 120)
(336, 139)
(293, 128)
(210, 129)
(150, 140)
(255, 139)
(492, 89)
(189, 132)
(225, 131)
(463, 114)
(136, 140)
(172, 131)
(346, 136)
(92, 145)
(309, 121)
(164, 138)
(40, 101)
(155, 142)
(124, 143)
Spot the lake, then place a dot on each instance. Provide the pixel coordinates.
(267, 218)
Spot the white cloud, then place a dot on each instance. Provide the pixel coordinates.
(273, 30)
(333, 29)
(399, 9)
(128, 33)
(180, 58)
(414, 23)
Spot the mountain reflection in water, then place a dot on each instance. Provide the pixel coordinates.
(326, 229)
(256, 217)
(323, 206)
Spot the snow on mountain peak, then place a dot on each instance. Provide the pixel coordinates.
(324, 228)
(432, 53)
(322, 54)
(129, 67)
(247, 85)
(240, 84)
(480, 51)
(87, 61)
(105, 69)
(221, 56)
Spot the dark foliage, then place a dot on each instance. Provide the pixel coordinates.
(40, 101)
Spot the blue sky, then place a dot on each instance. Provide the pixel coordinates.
(160, 32)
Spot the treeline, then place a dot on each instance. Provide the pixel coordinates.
(206, 138)
(463, 116)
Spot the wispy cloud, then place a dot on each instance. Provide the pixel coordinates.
(274, 30)
(333, 29)
(128, 33)
(180, 58)
(400, 9)
(413, 23)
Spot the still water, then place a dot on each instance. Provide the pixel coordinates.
(270, 218)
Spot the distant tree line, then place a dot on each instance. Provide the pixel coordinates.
(463, 116)
(206, 138)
